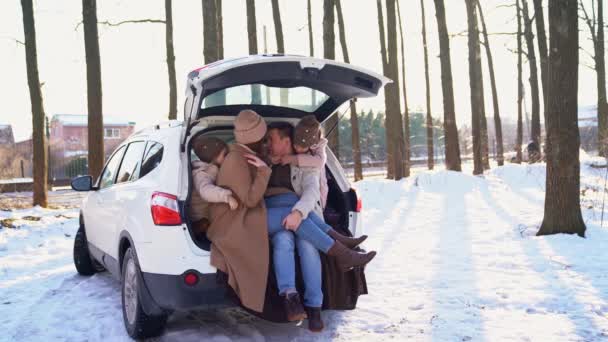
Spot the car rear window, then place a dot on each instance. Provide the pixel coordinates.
(152, 158)
(300, 98)
(131, 163)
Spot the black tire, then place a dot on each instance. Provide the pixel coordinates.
(137, 322)
(82, 258)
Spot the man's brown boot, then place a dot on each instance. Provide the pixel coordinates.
(348, 258)
(315, 323)
(293, 307)
(345, 240)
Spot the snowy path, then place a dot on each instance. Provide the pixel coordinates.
(457, 262)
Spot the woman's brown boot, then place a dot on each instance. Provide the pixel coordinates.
(347, 258)
(345, 240)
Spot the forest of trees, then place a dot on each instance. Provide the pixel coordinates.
(398, 134)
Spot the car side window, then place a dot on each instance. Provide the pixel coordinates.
(109, 173)
(131, 163)
(152, 158)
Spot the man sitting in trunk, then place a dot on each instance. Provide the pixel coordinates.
(294, 218)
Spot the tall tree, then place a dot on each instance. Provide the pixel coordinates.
(170, 60)
(483, 122)
(278, 31)
(452, 148)
(354, 120)
(220, 29)
(520, 87)
(429, 117)
(541, 38)
(497, 121)
(39, 143)
(329, 52)
(311, 49)
(387, 118)
(278, 26)
(562, 197)
(597, 37)
(534, 91)
(252, 34)
(406, 115)
(213, 45)
(211, 42)
(393, 107)
(475, 84)
(311, 44)
(252, 37)
(94, 103)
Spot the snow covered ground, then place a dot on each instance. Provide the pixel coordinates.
(458, 261)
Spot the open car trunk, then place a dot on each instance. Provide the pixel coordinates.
(341, 290)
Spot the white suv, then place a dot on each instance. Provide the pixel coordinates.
(134, 221)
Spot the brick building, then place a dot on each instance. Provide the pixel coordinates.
(69, 134)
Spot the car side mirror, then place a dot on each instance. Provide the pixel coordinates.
(82, 183)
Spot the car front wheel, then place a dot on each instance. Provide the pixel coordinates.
(82, 259)
(137, 322)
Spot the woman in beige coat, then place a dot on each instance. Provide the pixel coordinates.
(240, 237)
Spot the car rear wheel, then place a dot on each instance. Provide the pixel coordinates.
(137, 322)
(82, 258)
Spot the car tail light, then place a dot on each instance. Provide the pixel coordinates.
(191, 278)
(165, 211)
(359, 201)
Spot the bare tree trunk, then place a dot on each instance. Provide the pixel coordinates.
(311, 47)
(475, 83)
(213, 45)
(406, 115)
(600, 67)
(597, 29)
(220, 30)
(452, 149)
(534, 91)
(39, 143)
(497, 121)
(539, 19)
(252, 36)
(392, 90)
(483, 122)
(94, 102)
(354, 120)
(329, 52)
(429, 117)
(520, 88)
(278, 31)
(278, 26)
(311, 44)
(210, 34)
(390, 153)
(170, 60)
(562, 197)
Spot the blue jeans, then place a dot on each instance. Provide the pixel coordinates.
(312, 229)
(308, 239)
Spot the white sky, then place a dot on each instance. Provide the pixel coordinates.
(134, 74)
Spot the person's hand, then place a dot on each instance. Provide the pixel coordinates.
(293, 220)
(255, 161)
(232, 202)
(289, 159)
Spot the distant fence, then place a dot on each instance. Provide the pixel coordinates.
(16, 167)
